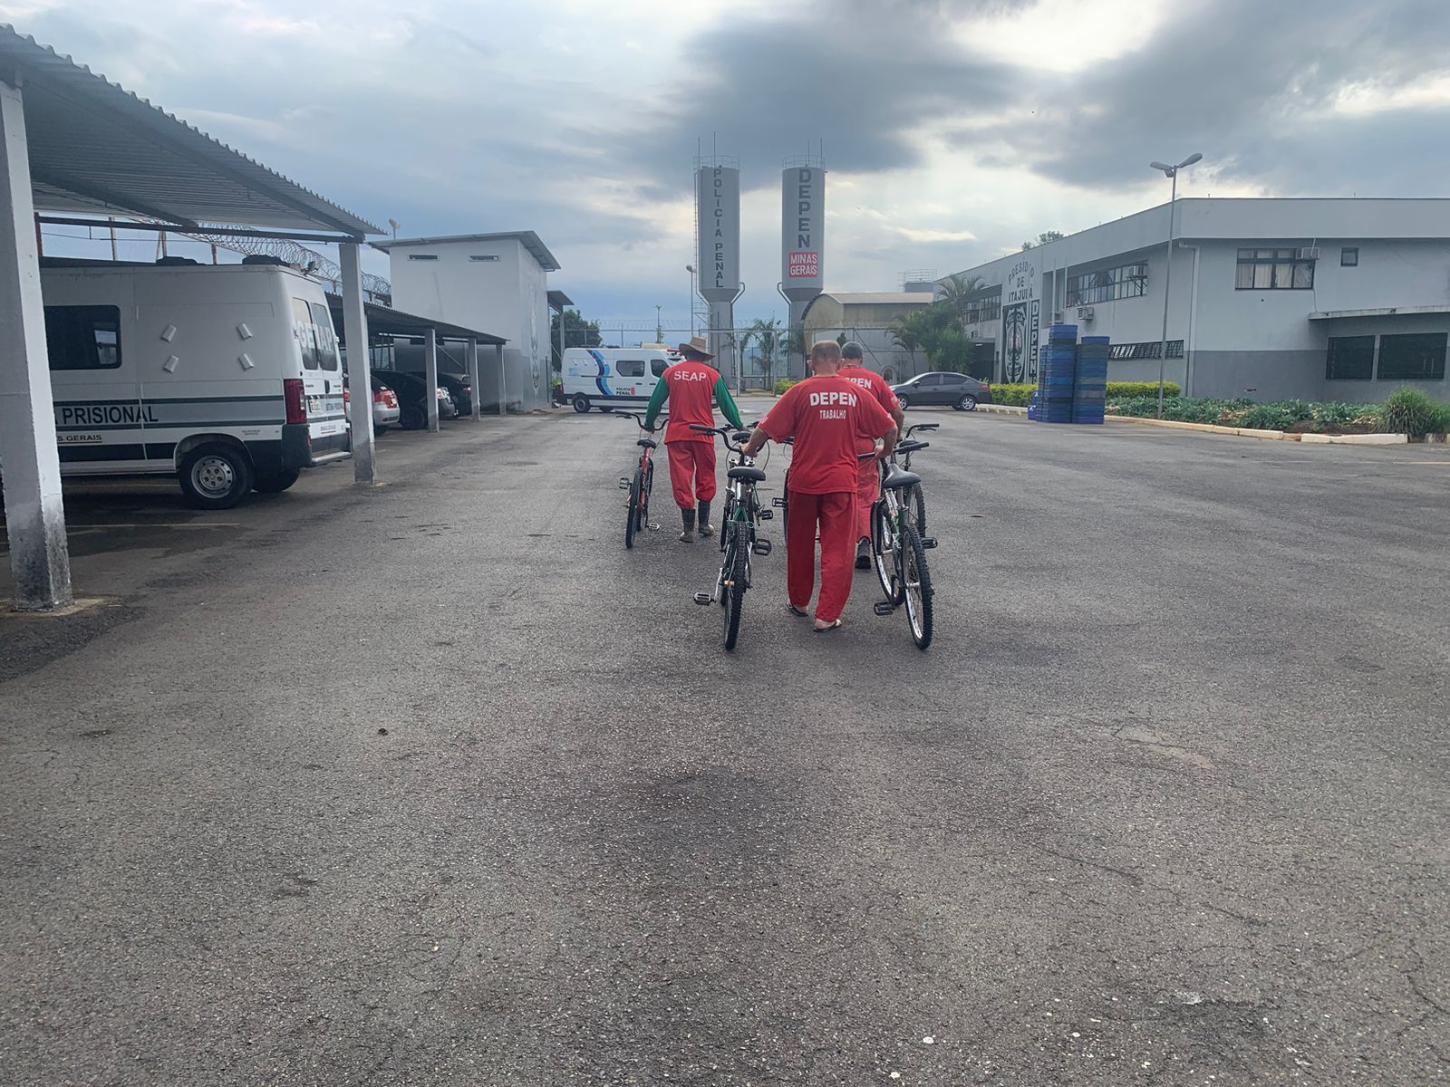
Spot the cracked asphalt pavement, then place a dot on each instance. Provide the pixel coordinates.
(436, 784)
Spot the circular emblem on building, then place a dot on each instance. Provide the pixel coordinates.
(1014, 351)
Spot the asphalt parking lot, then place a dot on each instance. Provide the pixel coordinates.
(435, 783)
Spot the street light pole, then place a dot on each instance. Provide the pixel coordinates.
(1170, 172)
(691, 269)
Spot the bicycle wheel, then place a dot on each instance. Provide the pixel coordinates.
(736, 576)
(631, 518)
(727, 515)
(916, 502)
(916, 587)
(883, 552)
(642, 522)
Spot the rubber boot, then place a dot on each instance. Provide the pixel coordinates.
(688, 536)
(706, 529)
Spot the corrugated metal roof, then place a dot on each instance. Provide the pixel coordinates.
(387, 321)
(882, 298)
(527, 238)
(96, 147)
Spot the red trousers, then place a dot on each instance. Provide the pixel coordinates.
(868, 489)
(692, 472)
(835, 515)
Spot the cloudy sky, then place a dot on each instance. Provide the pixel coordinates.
(953, 129)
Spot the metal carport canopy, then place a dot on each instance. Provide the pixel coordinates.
(386, 321)
(71, 140)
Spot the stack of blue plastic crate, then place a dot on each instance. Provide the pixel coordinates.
(1090, 392)
(1058, 375)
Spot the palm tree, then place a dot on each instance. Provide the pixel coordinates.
(766, 337)
(905, 332)
(957, 289)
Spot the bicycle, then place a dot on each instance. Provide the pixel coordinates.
(738, 541)
(914, 497)
(898, 550)
(639, 488)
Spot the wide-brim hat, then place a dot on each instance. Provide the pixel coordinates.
(698, 346)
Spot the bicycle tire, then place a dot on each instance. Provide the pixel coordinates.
(631, 514)
(883, 552)
(917, 601)
(918, 503)
(733, 593)
(642, 520)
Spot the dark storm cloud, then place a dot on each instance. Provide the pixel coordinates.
(1251, 85)
(857, 76)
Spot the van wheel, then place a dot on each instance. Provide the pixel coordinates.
(276, 482)
(966, 403)
(581, 403)
(215, 477)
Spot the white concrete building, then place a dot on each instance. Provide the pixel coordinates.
(497, 282)
(1335, 299)
(866, 318)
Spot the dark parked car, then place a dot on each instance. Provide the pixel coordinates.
(460, 390)
(412, 391)
(947, 389)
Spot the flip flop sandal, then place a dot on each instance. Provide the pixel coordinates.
(837, 625)
(797, 612)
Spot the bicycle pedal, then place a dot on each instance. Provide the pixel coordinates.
(624, 483)
(883, 608)
(778, 503)
(767, 515)
(703, 598)
(928, 542)
(761, 547)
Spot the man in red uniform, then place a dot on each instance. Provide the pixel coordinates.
(689, 387)
(830, 419)
(853, 369)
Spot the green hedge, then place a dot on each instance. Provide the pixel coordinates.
(783, 384)
(1408, 411)
(1021, 395)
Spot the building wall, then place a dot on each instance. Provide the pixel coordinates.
(1255, 343)
(506, 296)
(867, 325)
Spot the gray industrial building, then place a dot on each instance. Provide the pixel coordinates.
(1336, 299)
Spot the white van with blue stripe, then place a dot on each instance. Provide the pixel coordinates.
(602, 377)
(226, 376)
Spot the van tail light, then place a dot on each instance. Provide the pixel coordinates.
(296, 397)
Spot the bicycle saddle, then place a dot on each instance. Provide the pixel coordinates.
(900, 477)
(648, 443)
(741, 471)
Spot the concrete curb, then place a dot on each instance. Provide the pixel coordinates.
(1001, 409)
(1208, 428)
(1355, 439)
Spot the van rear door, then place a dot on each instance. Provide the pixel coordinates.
(321, 376)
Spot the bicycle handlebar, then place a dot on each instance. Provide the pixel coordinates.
(739, 435)
(920, 426)
(638, 419)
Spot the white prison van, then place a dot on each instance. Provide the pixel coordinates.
(604, 377)
(225, 376)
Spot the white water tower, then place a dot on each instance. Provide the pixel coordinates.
(802, 242)
(717, 216)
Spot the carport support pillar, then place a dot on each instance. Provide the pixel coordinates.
(359, 365)
(34, 513)
(503, 400)
(477, 404)
(430, 377)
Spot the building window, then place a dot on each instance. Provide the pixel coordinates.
(1108, 285)
(1349, 257)
(1351, 358)
(1412, 356)
(483, 258)
(629, 367)
(83, 337)
(1149, 349)
(422, 256)
(983, 310)
(1275, 269)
